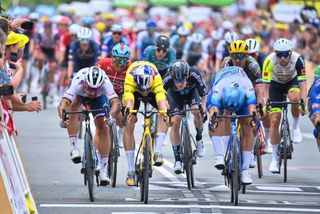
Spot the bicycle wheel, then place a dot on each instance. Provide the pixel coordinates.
(235, 171)
(89, 166)
(113, 159)
(146, 171)
(187, 156)
(258, 156)
(285, 151)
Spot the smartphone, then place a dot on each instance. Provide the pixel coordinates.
(34, 98)
(13, 58)
(28, 25)
(24, 98)
(6, 90)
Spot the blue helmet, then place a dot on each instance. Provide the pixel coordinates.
(121, 50)
(151, 24)
(233, 97)
(87, 20)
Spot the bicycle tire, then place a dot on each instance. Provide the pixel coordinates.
(187, 154)
(90, 171)
(285, 152)
(235, 172)
(114, 156)
(146, 171)
(258, 156)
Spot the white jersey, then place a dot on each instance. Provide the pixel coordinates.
(79, 87)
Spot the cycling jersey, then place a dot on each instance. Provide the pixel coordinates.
(260, 59)
(130, 86)
(222, 50)
(177, 46)
(230, 76)
(251, 68)
(79, 87)
(314, 98)
(194, 81)
(164, 64)
(108, 44)
(144, 40)
(65, 42)
(47, 44)
(272, 70)
(83, 60)
(116, 78)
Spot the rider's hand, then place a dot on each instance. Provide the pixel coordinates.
(168, 120)
(63, 124)
(34, 106)
(303, 110)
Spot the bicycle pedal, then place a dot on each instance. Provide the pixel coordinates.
(83, 170)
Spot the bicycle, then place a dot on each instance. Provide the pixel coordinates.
(89, 160)
(233, 157)
(285, 148)
(144, 163)
(114, 152)
(187, 153)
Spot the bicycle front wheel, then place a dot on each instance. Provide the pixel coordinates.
(187, 157)
(89, 165)
(147, 168)
(285, 151)
(235, 171)
(258, 156)
(113, 158)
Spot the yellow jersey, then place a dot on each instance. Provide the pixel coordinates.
(130, 86)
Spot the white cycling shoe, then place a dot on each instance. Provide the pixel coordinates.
(253, 162)
(177, 167)
(104, 178)
(296, 135)
(246, 177)
(201, 151)
(219, 162)
(274, 166)
(75, 155)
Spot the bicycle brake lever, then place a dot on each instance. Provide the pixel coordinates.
(64, 115)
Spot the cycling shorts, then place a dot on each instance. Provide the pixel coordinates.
(96, 103)
(177, 101)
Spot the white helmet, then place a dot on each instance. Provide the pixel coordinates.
(230, 37)
(253, 46)
(247, 30)
(95, 77)
(216, 34)
(84, 33)
(282, 44)
(197, 37)
(227, 25)
(116, 28)
(182, 31)
(74, 28)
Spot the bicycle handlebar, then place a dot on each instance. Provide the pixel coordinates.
(269, 102)
(146, 113)
(84, 112)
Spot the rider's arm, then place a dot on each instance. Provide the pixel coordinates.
(129, 89)
(64, 103)
(266, 78)
(301, 76)
(71, 59)
(112, 97)
(147, 53)
(200, 85)
(160, 93)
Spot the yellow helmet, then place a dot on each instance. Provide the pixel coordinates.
(100, 26)
(238, 46)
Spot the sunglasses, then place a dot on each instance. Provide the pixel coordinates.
(122, 62)
(84, 40)
(240, 56)
(117, 33)
(161, 50)
(183, 80)
(283, 54)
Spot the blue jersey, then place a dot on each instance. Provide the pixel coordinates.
(230, 76)
(314, 97)
(164, 64)
(83, 60)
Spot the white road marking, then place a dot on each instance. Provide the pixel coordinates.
(308, 135)
(182, 206)
(279, 188)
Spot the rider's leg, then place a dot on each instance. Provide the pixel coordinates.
(129, 146)
(199, 128)
(162, 130)
(294, 96)
(175, 136)
(275, 117)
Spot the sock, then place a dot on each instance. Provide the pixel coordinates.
(199, 134)
(275, 155)
(98, 157)
(246, 157)
(267, 133)
(176, 152)
(53, 89)
(130, 159)
(295, 123)
(160, 138)
(73, 141)
(120, 136)
(104, 163)
(225, 141)
(216, 143)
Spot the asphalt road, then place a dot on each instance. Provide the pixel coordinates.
(58, 185)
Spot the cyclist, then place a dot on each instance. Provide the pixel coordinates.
(283, 73)
(112, 40)
(90, 86)
(116, 68)
(84, 52)
(142, 80)
(161, 54)
(146, 38)
(179, 41)
(233, 91)
(184, 84)
(314, 104)
(223, 48)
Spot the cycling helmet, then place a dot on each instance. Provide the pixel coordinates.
(282, 44)
(179, 70)
(95, 77)
(121, 50)
(253, 46)
(84, 33)
(162, 42)
(216, 34)
(87, 20)
(151, 24)
(197, 37)
(65, 20)
(143, 77)
(100, 26)
(74, 28)
(233, 97)
(34, 16)
(183, 31)
(247, 30)
(116, 28)
(227, 25)
(230, 36)
(238, 46)
(317, 71)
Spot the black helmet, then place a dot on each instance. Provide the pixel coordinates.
(162, 42)
(179, 70)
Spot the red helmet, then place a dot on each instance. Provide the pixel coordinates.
(65, 20)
